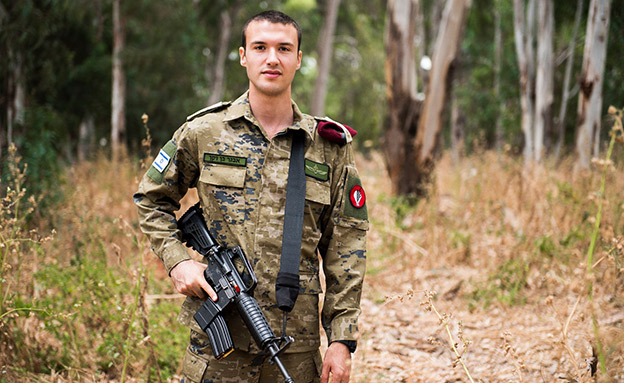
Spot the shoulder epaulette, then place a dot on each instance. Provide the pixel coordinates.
(334, 131)
(211, 109)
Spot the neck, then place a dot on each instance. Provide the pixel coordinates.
(274, 113)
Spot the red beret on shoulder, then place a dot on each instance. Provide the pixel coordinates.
(335, 131)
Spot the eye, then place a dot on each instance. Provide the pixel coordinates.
(259, 47)
(284, 49)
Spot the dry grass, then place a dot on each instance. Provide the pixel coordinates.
(504, 246)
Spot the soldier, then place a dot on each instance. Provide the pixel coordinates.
(237, 156)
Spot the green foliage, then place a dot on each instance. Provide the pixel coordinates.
(40, 147)
(505, 285)
(65, 49)
(402, 206)
(170, 336)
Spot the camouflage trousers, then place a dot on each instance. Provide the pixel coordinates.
(200, 366)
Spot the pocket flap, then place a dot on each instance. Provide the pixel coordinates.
(223, 176)
(193, 367)
(318, 192)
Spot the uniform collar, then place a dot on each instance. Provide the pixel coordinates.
(240, 108)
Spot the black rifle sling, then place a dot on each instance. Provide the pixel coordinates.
(287, 283)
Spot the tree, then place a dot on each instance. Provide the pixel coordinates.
(325, 53)
(444, 58)
(589, 112)
(498, 52)
(524, 34)
(544, 82)
(413, 127)
(118, 115)
(565, 97)
(226, 18)
(16, 94)
(403, 105)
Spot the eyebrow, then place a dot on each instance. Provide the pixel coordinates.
(264, 43)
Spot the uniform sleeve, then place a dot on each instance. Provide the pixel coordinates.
(343, 249)
(174, 170)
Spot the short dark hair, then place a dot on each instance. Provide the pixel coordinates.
(275, 17)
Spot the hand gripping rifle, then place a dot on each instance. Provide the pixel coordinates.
(231, 276)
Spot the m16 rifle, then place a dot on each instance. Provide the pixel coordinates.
(231, 276)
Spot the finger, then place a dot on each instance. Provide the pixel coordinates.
(344, 377)
(200, 293)
(208, 289)
(338, 376)
(325, 373)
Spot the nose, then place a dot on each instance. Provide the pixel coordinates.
(272, 57)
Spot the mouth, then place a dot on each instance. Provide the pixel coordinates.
(271, 73)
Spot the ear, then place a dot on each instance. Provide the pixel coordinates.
(299, 61)
(243, 57)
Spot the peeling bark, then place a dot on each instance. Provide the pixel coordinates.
(590, 98)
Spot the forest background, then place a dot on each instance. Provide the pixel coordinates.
(525, 249)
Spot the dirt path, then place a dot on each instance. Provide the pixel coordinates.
(403, 342)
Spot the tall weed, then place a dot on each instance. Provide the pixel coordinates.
(76, 305)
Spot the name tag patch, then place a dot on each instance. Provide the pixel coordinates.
(225, 160)
(317, 170)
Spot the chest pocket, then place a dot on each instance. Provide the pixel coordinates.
(227, 176)
(221, 190)
(317, 203)
(318, 197)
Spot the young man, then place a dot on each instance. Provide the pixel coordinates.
(237, 156)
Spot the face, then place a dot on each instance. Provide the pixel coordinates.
(271, 57)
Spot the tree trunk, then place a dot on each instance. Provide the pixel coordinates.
(560, 123)
(523, 36)
(218, 76)
(16, 94)
(3, 17)
(420, 44)
(544, 81)
(325, 52)
(590, 98)
(498, 58)
(401, 90)
(446, 50)
(86, 137)
(458, 123)
(118, 118)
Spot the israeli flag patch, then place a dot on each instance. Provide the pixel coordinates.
(161, 161)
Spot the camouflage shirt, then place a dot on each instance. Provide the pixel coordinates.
(241, 177)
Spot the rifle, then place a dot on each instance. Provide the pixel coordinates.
(231, 276)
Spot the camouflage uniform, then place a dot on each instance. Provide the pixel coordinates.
(241, 176)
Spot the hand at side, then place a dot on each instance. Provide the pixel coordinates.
(337, 362)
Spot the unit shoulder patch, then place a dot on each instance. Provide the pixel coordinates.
(355, 198)
(211, 109)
